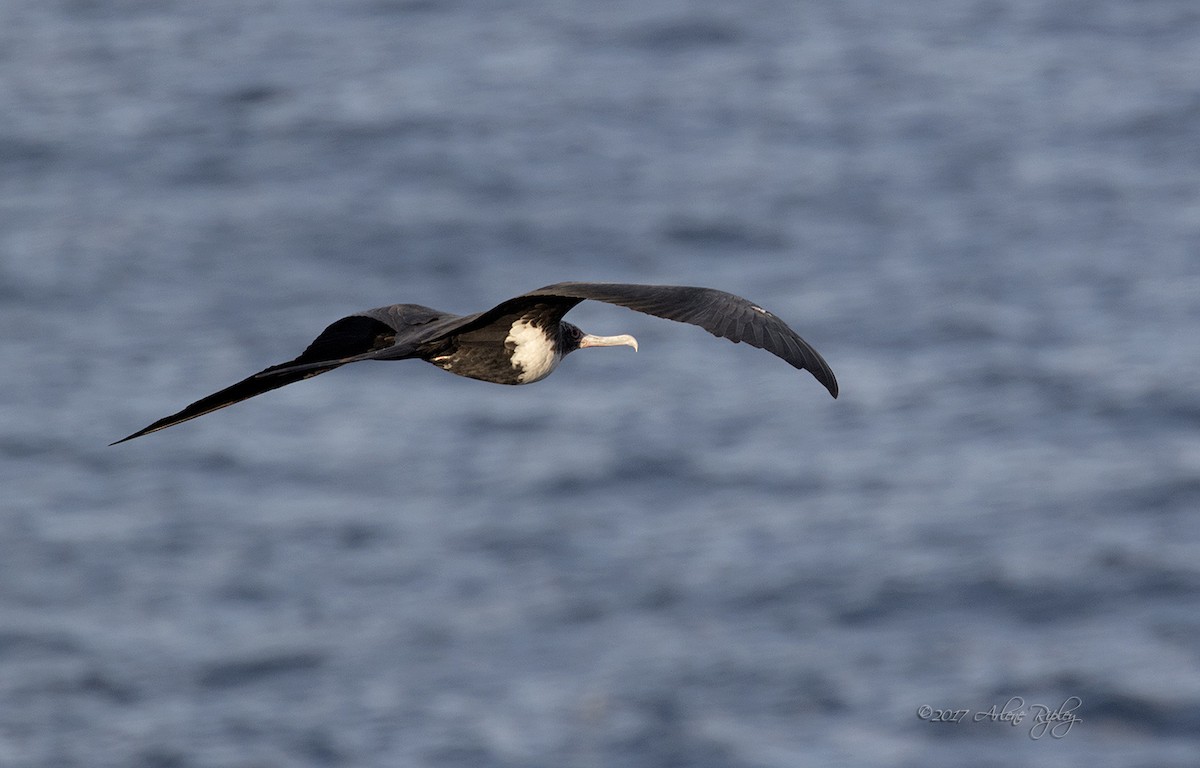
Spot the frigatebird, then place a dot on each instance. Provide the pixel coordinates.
(518, 341)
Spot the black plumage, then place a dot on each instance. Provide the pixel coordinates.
(517, 341)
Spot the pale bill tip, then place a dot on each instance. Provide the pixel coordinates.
(624, 339)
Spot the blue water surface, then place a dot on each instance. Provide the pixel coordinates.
(986, 216)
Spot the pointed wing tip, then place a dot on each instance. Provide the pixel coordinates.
(127, 438)
(830, 381)
(157, 426)
(824, 375)
(820, 370)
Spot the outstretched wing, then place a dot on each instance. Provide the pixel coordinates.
(720, 313)
(350, 336)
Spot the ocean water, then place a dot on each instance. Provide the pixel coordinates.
(985, 215)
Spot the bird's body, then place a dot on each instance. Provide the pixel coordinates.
(519, 341)
(520, 352)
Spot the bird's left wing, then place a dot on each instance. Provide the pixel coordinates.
(351, 336)
(720, 313)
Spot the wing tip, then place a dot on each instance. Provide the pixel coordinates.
(821, 371)
(827, 378)
(155, 427)
(127, 438)
(824, 376)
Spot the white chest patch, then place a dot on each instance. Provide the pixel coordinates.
(533, 353)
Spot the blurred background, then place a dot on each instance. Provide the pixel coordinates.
(984, 214)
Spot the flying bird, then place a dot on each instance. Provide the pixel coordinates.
(518, 341)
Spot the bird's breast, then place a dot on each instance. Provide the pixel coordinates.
(533, 353)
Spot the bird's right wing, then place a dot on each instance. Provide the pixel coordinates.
(720, 313)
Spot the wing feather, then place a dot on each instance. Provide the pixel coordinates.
(721, 314)
(348, 336)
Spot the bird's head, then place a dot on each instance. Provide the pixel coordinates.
(573, 338)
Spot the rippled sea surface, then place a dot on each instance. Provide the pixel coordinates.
(986, 215)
